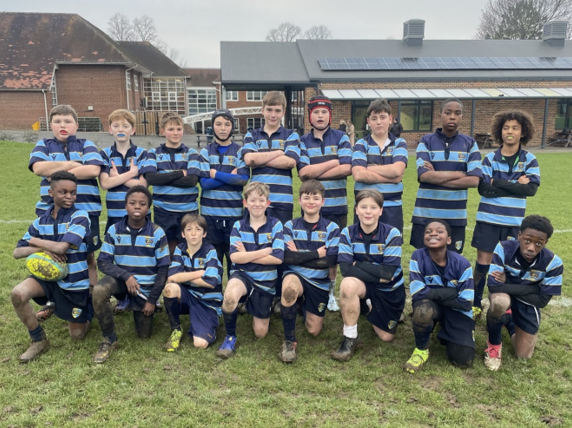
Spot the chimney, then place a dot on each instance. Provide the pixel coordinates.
(554, 33)
(414, 32)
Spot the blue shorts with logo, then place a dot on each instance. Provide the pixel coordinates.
(486, 236)
(258, 302)
(71, 306)
(314, 300)
(387, 306)
(204, 321)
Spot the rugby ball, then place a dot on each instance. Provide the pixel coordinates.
(43, 267)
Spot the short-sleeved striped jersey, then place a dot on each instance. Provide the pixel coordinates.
(334, 146)
(79, 150)
(324, 233)
(458, 153)
(226, 201)
(384, 248)
(424, 275)
(171, 198)
(269, 235)
(546, 270)
(141, 257)
(279, 180)
(204, 259)
(367, 152)
(506, 210)
(70, 225)
(115, 199)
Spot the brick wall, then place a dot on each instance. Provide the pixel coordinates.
(242, 102)
(484, 109)
(21, 109)
(100, 86)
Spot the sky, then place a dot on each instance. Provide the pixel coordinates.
(196, 28)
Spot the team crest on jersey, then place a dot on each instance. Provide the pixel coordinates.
(458, 245)
(184, 156)
(380, 248)
(334, 150)
(321, 307)
(148, 241)
(76, 312)
(201, 262)
(454, 282)
(321, 236)
(231, 160)
(282, 143)
(462, 156)
(391, 324)
(389, 151)
(520, 166)
(268, 237)
(534, 274)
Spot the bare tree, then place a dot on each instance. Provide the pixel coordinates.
(318, 32)
(286, 32)
(119, 28)
(144, 28)
(176, 57)
(521, 19)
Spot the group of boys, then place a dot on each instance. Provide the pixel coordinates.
(269, 253)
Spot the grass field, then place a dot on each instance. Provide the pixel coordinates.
(144, 386)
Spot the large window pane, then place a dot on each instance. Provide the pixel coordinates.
(416, 115)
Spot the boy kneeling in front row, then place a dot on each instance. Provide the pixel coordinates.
(135, 260)
(61, 232)
(256, 249)
(441, 284)
(194, 286)
(523, 277)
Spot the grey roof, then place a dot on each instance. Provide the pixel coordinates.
(258, 63)
(202, 77)
(266, 63)
(147, 55)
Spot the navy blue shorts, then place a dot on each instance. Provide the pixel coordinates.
(93, 241)
(314, 300)
(457, 237)
(170, 223)
(486, 236)
(526, 317)
(258, 302)
(218, 231)
(283, 215)
(341, 220)
(136, 302)
(71, 306)
(455, 327)
(204, 321)
(387, 307)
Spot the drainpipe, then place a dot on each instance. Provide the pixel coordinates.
(46, 109)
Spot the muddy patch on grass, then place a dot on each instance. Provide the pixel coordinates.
(551, 421)
(432, 383)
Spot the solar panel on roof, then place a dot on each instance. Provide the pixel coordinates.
(445, 63)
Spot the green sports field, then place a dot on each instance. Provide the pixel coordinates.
(144, 386)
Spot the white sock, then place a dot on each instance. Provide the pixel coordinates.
(350, 331)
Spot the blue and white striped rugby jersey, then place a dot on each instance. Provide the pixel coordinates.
(334, 146)
(171, 198)
(79, 150)
(70, 225)
(458, 153)
(367, 152)
(204, 259)
(507, 210)
(424, 275)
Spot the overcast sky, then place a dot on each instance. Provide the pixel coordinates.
(195, 28)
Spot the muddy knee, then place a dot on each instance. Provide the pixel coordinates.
(169, 290)
(78, 332)
(424, 314)
(499, 305)
(289, 295)
(18, 298)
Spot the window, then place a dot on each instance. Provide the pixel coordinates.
(416, 115)
(232, 95)
(156, 96)
(201, 100)
(255, 122)
(564, 114)
(255, 95)
(136, 82)
(164, 94)
(128, 79)
(172, 97)
(237, 126)
(294, 96)
(54, 91)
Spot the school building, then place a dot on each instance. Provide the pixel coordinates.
(415, 75)
(49, 59)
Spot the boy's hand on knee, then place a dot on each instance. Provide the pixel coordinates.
(148, 309)
(132, 285)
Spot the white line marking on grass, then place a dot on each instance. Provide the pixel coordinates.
(563, 301)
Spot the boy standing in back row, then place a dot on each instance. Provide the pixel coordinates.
(66, 152)
(448, 163)
(327, 157)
